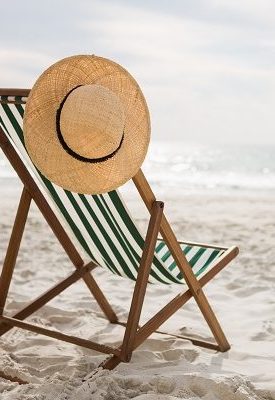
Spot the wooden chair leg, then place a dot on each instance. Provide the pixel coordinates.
(100, 298)
(110, 363)
(13, 247)
(174, 247)
(142, 280)
(139, 290)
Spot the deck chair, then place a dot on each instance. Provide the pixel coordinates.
(100, 228)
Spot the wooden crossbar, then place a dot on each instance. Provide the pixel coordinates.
(101, 348)
(48, 295)
(196, 342)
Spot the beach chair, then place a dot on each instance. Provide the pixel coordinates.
(100, 230)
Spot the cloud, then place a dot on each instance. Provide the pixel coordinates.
(206, 67)
(204, 79)
(17, 66)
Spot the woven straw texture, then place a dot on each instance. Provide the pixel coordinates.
(108, 112)
(97, 116)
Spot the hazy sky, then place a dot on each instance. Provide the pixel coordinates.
(206, 67)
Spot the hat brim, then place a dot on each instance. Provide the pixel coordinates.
(40, 135)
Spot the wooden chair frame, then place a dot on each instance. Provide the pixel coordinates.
(134, 334)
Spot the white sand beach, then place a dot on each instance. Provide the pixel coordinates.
(207, 71)
(164, 367)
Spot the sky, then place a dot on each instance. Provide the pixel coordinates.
(206, 67)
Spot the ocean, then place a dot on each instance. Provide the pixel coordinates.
(200, 167)
(219, 167)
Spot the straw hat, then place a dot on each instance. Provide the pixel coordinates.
(86, 124)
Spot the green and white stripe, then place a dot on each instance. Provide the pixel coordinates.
(199, 257)
(100, 226)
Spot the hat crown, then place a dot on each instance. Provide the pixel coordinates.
(92, 121)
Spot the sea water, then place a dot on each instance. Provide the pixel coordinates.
(211, 166)
(198, 166)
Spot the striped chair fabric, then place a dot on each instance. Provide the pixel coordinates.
(100, 226)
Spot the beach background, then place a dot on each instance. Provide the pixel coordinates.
(210, 195)
(206, 68)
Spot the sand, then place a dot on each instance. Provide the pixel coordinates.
(163, 368)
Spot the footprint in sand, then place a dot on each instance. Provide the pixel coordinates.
(267, 333)
(177, 354)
